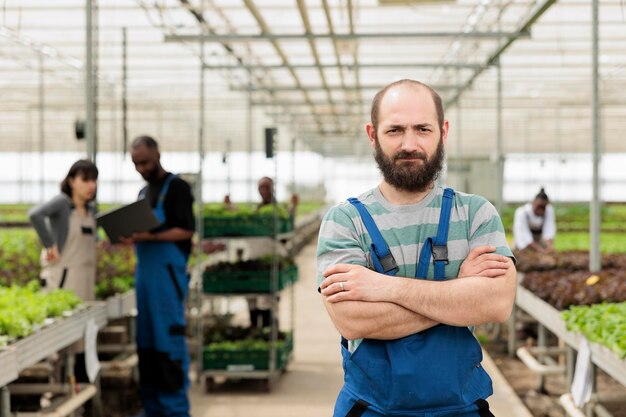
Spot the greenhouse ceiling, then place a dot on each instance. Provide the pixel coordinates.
(310, 67)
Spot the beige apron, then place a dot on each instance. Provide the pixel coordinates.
(76, 268)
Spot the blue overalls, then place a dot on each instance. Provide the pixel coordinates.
(436, 372)
(161, 282)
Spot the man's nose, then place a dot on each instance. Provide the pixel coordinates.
(411, 141)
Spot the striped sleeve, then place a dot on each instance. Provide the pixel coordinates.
(338, 242)
(486, 228)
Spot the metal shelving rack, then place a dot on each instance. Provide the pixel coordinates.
(45, 342)
(8, 366)
(271, 375)
(121, 305)
(57, 335)
(549, 318)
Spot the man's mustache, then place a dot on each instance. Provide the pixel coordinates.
(411, 155)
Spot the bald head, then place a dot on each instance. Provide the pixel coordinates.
(266, 187)
(145, 154)
(145, 140)
(403, 84)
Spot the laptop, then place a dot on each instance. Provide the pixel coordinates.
(124, 221)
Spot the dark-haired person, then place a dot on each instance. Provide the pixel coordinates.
(407, 267)
(162, 283)
(67, 229)
(534, 225)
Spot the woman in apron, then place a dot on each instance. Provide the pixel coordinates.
(534, 225)
(67, 228)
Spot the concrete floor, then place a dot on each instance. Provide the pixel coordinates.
(313, 379)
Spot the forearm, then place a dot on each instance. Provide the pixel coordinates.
(174, 234)
(38, 221)
(375, 320)
(460, 302)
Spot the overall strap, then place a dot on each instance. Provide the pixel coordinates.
(437, 246)
(164, 190)
(381, 255)
(357, 410)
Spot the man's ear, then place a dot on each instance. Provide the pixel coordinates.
(444, 131)
(371, 134)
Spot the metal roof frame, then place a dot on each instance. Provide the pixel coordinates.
(345, 48)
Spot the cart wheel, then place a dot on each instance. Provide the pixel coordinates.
(209, 384)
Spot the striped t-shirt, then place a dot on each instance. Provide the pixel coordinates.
(343, 238)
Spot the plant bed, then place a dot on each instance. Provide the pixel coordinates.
(19, 256)
(251, 353)
(603, 323)
(529, 260)
(115, 270)
(249, 225)
(247, 277)
(562, 288)
(576, 216)
(242, 220)
(24, 309)
(20, 251)
(116, 285)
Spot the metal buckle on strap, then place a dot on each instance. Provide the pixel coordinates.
(440, 253)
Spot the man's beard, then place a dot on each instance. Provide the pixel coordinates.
(152, 176)
(409, 175)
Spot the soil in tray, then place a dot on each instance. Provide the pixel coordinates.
(529, 260)
(235, 334)
(525, 383)
(563, 288)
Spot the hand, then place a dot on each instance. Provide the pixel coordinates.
(126, 241)
(52, 254)
(138, 237)
(359, 284)
(481, 262)
(538, 247)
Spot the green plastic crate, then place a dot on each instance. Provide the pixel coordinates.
(255, 225)
(246, 359)
(220, 282)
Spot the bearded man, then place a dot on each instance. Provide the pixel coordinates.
(407, 268)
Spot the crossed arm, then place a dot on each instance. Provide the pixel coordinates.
(377, 306)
